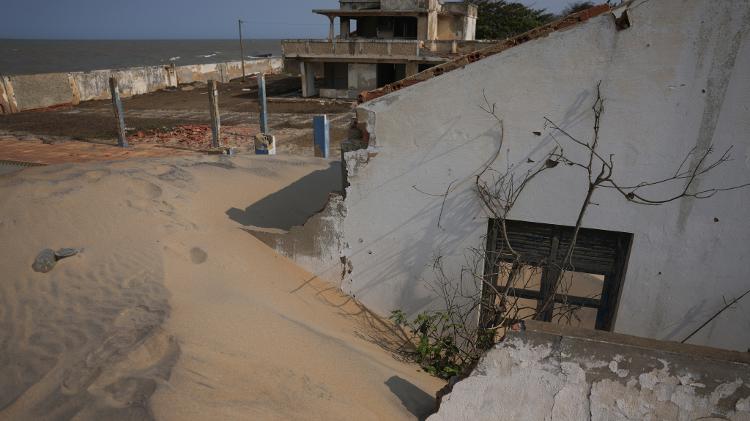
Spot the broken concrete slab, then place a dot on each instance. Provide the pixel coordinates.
(559, 373)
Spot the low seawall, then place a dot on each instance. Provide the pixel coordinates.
(29, 92)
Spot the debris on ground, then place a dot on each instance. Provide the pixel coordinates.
(46, 259)
(195, 136)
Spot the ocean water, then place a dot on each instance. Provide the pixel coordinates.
(49, 56)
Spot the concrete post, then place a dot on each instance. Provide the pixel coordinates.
(308, 79)
(263, 103)
(331, 32)
(122, 139)
(412, 69)
(321, 131)
(213, 102)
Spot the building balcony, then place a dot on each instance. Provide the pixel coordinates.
(378, 50)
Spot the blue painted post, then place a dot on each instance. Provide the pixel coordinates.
(321, 131)
(263, 103)
(122, 139)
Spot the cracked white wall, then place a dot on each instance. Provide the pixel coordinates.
(676, 79)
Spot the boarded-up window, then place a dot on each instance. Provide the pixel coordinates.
(526, 262)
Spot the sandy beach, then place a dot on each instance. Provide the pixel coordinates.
(172, 311)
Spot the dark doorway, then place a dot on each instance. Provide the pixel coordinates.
(390, 72)
(526, 262)
(336, 75)
(405, 27)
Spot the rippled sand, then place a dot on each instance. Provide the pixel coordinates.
(172, 311)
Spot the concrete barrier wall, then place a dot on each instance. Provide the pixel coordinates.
(40, 91)
(135, 81)
(28, 92)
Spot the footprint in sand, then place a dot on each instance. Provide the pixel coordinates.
(95, 175)
(144, 189)
(197, 255)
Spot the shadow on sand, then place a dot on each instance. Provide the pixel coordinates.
(414, 399)
(294, 204)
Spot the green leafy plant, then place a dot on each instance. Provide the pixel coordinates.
(436, 345)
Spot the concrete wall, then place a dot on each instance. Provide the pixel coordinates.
(362, 77)
(40, 91)
(451, 27)
(675, 80)
(317, 245)
(136, 81)
(27, 92)
(546, 374)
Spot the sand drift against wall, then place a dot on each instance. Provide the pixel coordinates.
(172, 310)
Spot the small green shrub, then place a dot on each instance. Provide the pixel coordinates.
(437, 344)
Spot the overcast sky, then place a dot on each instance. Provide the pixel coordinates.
(154, 19)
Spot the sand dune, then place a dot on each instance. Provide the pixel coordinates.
(172, 311)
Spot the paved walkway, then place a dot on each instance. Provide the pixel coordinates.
(58, 152)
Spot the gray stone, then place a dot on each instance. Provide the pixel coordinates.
(44, 261)
(66, 252)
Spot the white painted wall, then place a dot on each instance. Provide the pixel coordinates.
(678, 78)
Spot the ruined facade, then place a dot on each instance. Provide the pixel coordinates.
(672, 77)
(380, 42)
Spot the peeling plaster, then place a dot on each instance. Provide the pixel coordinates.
(529, 377)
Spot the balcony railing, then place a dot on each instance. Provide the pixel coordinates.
(378, 48)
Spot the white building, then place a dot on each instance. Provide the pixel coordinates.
(677, 78)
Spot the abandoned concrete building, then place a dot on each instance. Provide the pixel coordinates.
(380, 42)
(672, 75)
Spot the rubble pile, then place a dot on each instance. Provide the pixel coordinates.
(195, 136)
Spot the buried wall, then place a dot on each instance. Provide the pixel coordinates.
(675, 80)
(548, 373)
(303, 221)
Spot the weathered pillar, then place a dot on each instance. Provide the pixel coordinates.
(432, 23)
(412, 69)
(321, 132)
(213, 103)
(263, 103)
(345, 27)
(331, 32)
(265, 143)
(122, 139)
(307, 75)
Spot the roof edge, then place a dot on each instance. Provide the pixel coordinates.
(536, 33)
